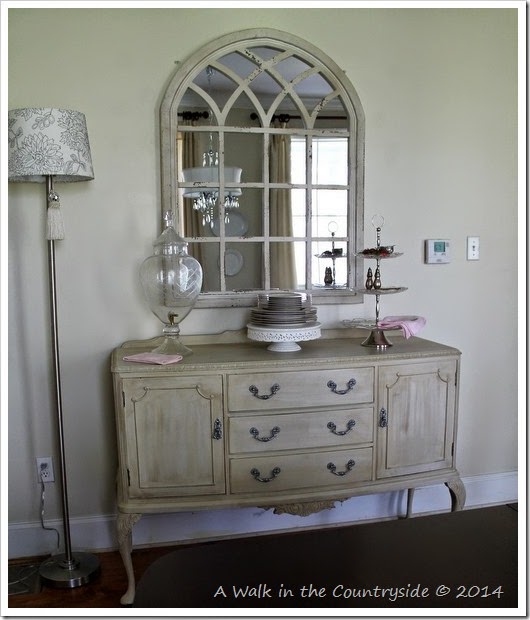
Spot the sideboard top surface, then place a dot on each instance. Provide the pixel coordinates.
(241, 354)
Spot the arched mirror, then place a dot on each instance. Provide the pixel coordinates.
(262, 139)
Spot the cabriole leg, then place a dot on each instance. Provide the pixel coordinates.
(458, 493)
(126, 523)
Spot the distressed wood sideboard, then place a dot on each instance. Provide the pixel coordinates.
(235, 424)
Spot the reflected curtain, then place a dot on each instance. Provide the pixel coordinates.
(189, 156)
(282, 259)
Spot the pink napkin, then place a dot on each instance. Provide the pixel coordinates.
(153, 358)
(410, 325)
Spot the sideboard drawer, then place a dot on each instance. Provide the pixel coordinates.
(279, 390)
(317, 429)
(270, 474)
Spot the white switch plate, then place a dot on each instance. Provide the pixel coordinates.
(473, 248)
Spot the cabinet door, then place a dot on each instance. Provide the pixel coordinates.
(416, 417)
(174, 436)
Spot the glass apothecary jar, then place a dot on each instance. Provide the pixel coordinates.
(171, 280)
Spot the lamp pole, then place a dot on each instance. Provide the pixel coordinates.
(65, 570)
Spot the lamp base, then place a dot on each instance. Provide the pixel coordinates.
(58, 572)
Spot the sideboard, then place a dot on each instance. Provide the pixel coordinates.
(235, 425)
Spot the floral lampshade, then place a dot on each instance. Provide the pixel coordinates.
(48, 142)
(48, 145)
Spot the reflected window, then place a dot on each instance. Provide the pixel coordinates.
(327, 210)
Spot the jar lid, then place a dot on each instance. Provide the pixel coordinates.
(169, 242)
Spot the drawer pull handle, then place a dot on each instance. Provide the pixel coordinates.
(383, 418)
(349, 466)
(257, 476)
(333, 427)
(333, 387)
(274, 432)
(254, 390)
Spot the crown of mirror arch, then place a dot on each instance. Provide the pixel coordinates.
(282, 130)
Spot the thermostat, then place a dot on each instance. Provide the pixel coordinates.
(437, 251)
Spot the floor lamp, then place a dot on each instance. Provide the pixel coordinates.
(47, 145)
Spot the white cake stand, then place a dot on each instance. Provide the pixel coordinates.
(284, 339)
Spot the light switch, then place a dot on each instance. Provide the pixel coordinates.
(473, 248)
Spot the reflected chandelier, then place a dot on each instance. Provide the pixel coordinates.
(205, 199)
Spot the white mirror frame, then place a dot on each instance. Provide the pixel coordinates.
(169, 122)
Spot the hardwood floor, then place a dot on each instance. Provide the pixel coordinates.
(105, 591)
(470, 547)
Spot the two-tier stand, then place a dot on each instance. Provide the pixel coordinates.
(377, 337)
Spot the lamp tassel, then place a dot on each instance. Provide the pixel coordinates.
(55, 217)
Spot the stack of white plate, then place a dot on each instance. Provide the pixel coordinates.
(283, 310)
(283, 319)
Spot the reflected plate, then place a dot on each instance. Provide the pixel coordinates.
(233, 262)
(236, 227)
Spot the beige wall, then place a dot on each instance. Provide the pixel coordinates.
(439, 89)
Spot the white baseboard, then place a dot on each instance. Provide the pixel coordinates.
(98, 533)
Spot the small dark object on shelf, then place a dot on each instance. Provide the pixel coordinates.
(383, 250)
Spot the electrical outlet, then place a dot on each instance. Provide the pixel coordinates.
(45, 469)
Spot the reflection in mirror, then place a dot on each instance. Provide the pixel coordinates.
(242, 149)
(329, 205)
(262, 162)
(329, 264)
(288, 267)
(249, 258)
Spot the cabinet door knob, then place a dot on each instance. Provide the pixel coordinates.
(257, 476)
(333, 387)
(333, 427)
(254, 391)
(383, 418)
(349, 466)
(255, 433)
